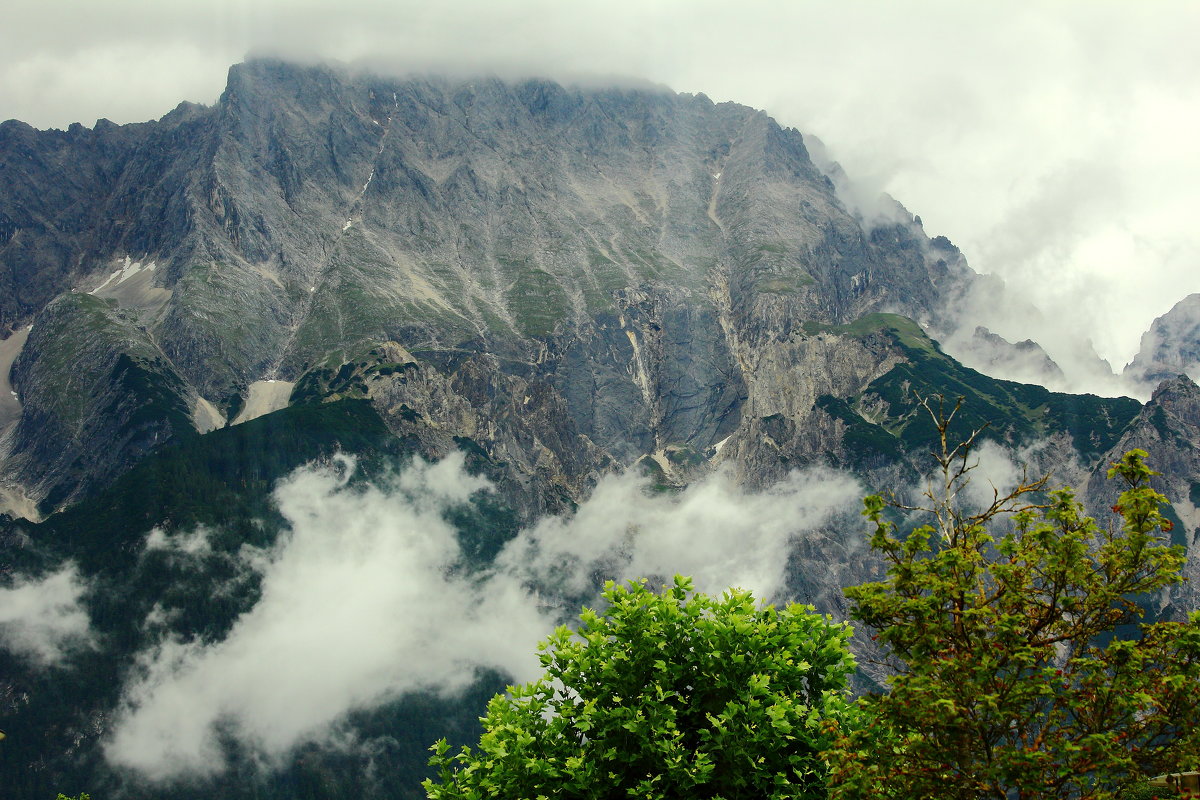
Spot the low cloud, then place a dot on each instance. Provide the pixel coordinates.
(712, 531)
(359, 605)
(42, 619)
(991, 304)
(365, 598)
(193, 543)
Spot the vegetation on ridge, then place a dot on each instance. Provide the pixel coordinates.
(881, 421)
(1020, 669)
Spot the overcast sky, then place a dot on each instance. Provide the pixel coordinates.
(1055, 142)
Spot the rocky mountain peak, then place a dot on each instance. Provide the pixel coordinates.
(1180, 397)
(1171, 346)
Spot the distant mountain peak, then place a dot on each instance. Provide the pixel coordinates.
(1171, 346)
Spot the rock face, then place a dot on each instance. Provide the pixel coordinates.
(97, 394)
(643, 256)
(1025, 357)
(1172, 345)
(1168, 428)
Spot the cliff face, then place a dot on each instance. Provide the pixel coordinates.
(1172, 345)
(1168, 429)
(642, 256)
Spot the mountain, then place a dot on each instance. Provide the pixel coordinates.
(548, 286)
(1172, 345)
(641, 241)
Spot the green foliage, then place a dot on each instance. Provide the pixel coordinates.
(1145, 791)
(665, 695)
(1014, 413)
(865, 444)
(346, 375)
(1022, 671)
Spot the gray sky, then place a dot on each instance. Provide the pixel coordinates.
(1055, 142)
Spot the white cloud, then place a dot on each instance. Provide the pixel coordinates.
(712, 531)
(358, 606)
(195, 543)
(994, 474)
(42, 618)
(363, 601)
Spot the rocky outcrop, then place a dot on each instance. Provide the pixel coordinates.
(1171, 347)
(1168, 429)
(96, 394)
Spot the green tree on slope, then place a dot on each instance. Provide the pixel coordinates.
(1023, 672)
(665, 696)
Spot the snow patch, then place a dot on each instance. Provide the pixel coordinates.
(127, 270)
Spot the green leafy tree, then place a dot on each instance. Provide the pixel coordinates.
(1023, 671)
(665, 696)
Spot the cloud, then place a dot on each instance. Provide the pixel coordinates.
(997, 306)
(365, 598)
(712, 531)
(195, 543)
(359, 605)
(42, 619)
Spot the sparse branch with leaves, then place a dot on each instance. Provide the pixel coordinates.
(1025, 672)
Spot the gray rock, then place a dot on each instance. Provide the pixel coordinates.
(1171, 347)
(640, 256)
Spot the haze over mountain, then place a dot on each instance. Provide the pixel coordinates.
(622, 331)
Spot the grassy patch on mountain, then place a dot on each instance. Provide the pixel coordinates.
(1012, 413)
(536, 301)
(344, 374)
(74, 342)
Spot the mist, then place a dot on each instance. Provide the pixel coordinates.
(43, 619)
(366, 597)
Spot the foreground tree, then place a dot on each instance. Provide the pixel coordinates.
(665, 696)
(1022, 671)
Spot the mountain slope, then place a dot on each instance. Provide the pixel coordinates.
(312, 214)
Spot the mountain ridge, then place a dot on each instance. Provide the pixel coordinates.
(311, 212)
